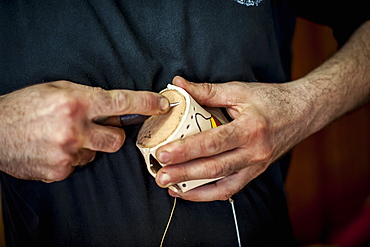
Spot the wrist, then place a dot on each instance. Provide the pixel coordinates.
(300, 110)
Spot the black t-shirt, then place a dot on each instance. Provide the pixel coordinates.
(141, 45)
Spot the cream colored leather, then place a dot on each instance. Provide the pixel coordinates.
(188, 118)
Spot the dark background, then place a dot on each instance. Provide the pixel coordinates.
(328, 184)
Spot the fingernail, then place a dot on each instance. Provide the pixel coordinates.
(164, 103)
(165, 179)
(164, 157)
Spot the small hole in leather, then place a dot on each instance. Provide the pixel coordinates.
(154, 164)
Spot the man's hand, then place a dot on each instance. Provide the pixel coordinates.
(48, 129)
(267, 123)
(269, 120)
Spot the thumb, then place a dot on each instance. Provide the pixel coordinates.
(209, 94)
(120, 102)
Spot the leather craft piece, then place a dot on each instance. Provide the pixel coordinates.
(185, 119)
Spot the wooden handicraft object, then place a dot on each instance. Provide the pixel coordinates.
(185, 119)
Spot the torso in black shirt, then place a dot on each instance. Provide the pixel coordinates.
(141, 45)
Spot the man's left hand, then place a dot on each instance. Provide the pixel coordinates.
(268, 121)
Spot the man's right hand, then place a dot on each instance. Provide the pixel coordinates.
(48, 129)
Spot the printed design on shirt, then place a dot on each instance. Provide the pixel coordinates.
(249, 2)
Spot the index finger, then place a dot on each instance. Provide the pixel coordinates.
(203, 144)
(119, 102)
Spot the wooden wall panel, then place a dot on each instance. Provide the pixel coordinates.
(329, 179)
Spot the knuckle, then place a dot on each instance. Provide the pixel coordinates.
(262, 126)
(184, 174)
(64, 109)
(214, 169)
(150, 101)
(63, 161)
(209, 88)
(66, 129)
(261, 155)
(120, 100)
(258, 128)
(109, 142)
(59, 172)
(67, 139)
(264, 155)
(66, 102)
(209, 145)
(99, 141)
(181, 150)
(231, 136)
(259, 136)
(61, 167)
(86, 157)
(110, 101)
(66, 136)
(118, 140)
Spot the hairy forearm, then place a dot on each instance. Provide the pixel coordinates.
(341, 84)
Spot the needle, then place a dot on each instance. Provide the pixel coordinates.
(130, 119)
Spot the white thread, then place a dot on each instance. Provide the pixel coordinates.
(235, 221)
(169, 221)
